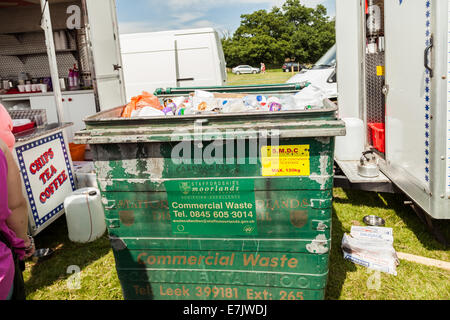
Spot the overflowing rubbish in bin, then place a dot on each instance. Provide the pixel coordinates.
(205, 102)
(218, 206)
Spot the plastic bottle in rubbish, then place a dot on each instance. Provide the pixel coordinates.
(149, 112)
(167, 101)
(235, 106)
(179, 100)
(250, 101)
(274, 104)
(170, 109)
(261, 101)
(202, 106)
(185, 107)
(190, 111)
(275, 107)
(188, 103)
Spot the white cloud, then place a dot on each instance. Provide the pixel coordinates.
(183, 17)
(203, 24)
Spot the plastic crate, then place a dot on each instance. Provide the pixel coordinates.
(378, 136)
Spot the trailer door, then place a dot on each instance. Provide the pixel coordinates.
(105, 47)
(195, 64)
(407, 34)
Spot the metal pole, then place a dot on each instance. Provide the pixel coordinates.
(46, 25)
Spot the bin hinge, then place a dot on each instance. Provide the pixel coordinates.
(321, 203)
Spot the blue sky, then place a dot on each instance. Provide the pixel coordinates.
(157, 15)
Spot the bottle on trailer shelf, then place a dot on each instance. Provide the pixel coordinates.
(76, 77)
(70, 79)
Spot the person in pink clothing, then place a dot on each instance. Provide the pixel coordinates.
(15, 244)
(6, 127)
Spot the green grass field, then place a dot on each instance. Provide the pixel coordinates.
(49, 280)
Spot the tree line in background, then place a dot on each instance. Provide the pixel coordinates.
(293, 31)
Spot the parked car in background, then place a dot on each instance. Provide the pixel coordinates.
(245, 69)
(287, 67)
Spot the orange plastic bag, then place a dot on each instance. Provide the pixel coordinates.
(144, 100)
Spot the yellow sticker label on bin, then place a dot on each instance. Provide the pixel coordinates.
(278, 161)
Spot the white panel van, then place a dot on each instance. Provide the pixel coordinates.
(180, 58)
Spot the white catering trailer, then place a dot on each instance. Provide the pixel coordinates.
(393, 71)
(43, 39)
(29, 46)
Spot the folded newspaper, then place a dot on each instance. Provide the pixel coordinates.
(371, 247)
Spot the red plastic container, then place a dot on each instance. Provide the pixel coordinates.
(23, 128)
(378, 136)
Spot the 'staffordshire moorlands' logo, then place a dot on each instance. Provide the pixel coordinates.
(185, 188)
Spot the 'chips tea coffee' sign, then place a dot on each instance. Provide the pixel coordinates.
(47, 176)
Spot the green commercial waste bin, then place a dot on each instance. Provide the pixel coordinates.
(218, 207)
